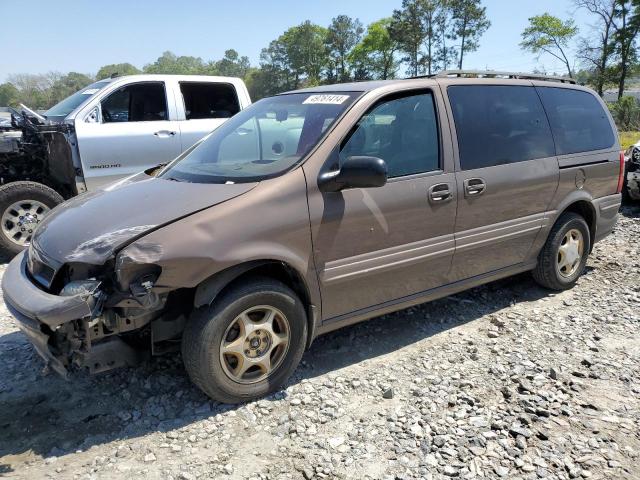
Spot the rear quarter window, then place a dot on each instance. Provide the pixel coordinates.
(578, 121)
(499, 124)
(209, 100)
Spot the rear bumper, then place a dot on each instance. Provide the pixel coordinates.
(606, 214)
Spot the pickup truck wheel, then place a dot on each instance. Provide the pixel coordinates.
(247, 343)
(23, 205)
(564, 256)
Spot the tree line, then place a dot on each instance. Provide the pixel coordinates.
(421, 37)
(606, 52)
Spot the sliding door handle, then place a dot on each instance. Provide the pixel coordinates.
(474, 187)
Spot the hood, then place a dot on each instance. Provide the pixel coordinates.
(91, 227)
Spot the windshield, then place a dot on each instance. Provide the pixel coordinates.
(262, 141)
(69, 104)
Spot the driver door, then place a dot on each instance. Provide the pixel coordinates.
(377, 245)
(127, 133)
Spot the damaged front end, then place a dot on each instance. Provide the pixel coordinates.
(88, 316)
(43, 152)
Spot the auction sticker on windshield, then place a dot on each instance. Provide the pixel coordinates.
(326, 99)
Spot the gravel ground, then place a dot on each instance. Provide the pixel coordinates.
(504, 381)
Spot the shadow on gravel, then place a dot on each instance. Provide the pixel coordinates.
(47, 416)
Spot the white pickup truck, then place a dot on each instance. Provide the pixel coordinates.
(109, 130)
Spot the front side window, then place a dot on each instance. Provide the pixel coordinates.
(209, 100)
(498, 124)
(578, 121)
(140, 102)
(262, 141)
(401, 131)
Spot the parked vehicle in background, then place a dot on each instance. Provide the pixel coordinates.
(632, 172)
(316, 209)
(109, 130)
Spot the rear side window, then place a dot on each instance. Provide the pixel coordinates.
(209, 100)
(578, 121)
(499, 124)
(139, 102)
(401, 131)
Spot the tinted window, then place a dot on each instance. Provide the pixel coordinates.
(403, 132)
(499, 124)
(141, 102)
(578, 121)
(209, 100)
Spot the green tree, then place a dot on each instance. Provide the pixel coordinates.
(232, 65)
(625, 35)
(626, 113)
(343, 35)
(32, 89)
(119, 69)
(169, 63)
(597, 51)
(67, 85)
(550, 35)
(9, 95)
(304, 47)
(469, 24)
(375, 55)
(432, 12)
(408, 29)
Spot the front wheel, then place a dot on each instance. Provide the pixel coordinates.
(23, 205)
(564, 256)
(247, 343)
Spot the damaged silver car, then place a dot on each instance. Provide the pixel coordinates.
(102, 133)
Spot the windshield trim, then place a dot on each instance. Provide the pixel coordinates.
(357, 95)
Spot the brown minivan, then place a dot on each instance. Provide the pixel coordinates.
(315, 209)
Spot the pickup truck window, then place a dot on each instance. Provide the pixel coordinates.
(139, 102)
(69, 104)
(209, 100)
(262, 141)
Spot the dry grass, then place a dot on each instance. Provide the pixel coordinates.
(628, 138)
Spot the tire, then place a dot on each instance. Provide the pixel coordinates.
(26, 192)
(202, 347)
(547, 272)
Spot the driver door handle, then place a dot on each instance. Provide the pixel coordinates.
(440, 193)
(474, 187)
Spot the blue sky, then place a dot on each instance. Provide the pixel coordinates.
(78, 35)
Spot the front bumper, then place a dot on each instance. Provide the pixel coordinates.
(39, 313)
(25, 299)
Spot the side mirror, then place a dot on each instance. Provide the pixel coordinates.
(356, 172)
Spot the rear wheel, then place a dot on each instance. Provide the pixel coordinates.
(23, 205)
(564, 256)
(247, 343)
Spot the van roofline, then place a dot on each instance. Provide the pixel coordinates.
(461, 75)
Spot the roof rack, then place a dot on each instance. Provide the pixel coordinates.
(494, 74)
